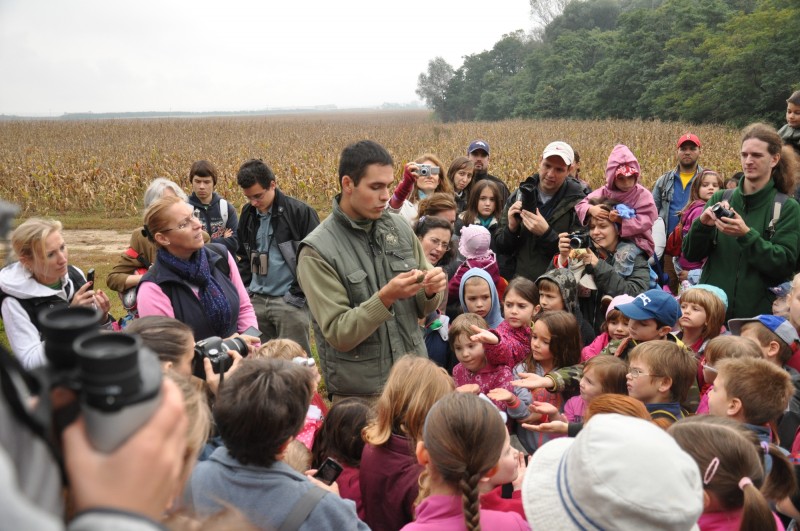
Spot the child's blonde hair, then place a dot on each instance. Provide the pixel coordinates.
(723, 347)
(414, 385)
(764, 389)
(199, 415)
(728, 453)
(610, 372)
(297, 456)
(282, 349)
(713, 306)
(464, 438)
(667, 359)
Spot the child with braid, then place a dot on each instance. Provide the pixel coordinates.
(737, 488)
(461, 443)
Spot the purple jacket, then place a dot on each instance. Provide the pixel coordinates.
(639, 229)
(691, 213)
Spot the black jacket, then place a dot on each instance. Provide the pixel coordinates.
(292, 220)
(535, 253)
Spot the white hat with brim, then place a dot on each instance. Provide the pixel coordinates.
(619, 473)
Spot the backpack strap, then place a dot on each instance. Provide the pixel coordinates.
(302, 508)
(223, 210)
(132, 253)
(663, 414)
(780, 199)
(221, 264)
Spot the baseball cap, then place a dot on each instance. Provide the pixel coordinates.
(653, 304)
(689, 137)
(777, 325)
(559, 149)
(781, 290)
(478, 144)
(603, 479)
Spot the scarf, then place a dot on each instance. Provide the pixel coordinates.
(197, 271)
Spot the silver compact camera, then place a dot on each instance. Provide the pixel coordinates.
(423, 170)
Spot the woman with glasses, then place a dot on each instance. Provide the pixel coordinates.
(42, 278)
(197, 284)
(434, 234)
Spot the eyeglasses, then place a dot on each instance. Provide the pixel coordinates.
(635, 373)
(185, 223)
(709, 367)
(444, 246)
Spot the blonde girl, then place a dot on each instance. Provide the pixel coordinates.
(389, 470)
(702, 319)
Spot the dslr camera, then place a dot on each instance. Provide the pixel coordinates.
(216, 350)
(424, 170)
(721, 212)
(580, 240)
(117, 380)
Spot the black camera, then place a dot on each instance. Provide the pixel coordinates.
(216, 350)
(721, 212)
(579, 240)
(117, 379)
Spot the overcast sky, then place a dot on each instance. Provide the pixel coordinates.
(113, 56)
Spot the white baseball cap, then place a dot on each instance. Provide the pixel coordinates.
(559, 149)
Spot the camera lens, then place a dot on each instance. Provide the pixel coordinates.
(236, 344)
(108, 368)
(60, 327)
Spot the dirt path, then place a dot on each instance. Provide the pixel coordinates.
(97, 241)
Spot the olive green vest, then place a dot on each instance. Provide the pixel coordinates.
(365, 262)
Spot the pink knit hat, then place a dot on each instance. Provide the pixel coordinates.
(474, 242)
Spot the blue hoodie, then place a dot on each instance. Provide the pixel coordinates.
(494, 317)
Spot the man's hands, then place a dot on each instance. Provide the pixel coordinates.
(534, 222)
(735, 226)
(406, 285)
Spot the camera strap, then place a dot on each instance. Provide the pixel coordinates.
(19, 386)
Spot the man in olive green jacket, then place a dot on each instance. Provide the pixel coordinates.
(366, 279)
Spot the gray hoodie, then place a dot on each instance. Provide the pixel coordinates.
(568, 287)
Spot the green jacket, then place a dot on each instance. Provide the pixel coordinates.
(535, 253)
(341, 267)
(745, 267)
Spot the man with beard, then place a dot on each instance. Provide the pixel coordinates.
(478, 153)
(671, 191)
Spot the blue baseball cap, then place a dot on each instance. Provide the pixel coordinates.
(781, 290)
(653, 304)
(777, 325)
(478, 144)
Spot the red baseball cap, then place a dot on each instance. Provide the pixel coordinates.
(689, 137)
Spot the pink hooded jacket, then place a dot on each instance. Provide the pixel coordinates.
(639, 228)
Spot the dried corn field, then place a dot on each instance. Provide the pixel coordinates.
(103, 166)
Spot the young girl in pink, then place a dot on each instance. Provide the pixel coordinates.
(601, 375)
(474, 374)
(555, 343)
(703, 187)
(737, 489)
(513, 335)
(622, 185)
(613, 330)
(702, 319)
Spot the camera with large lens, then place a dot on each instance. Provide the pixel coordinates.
(424, 170)
(118, 381)
(721, 212)
(580, 240)
(216, 350)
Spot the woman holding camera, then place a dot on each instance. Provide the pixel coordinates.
(197, 284)
(421, 178)
(41, 279)
(615, 264)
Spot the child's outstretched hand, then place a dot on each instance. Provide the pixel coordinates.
(501, 395)
(614, 217)
(469, 388)
(483, 336)
(544, 408)
(529, 380)
(557, 426)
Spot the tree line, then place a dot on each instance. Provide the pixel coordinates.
(724, 61)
